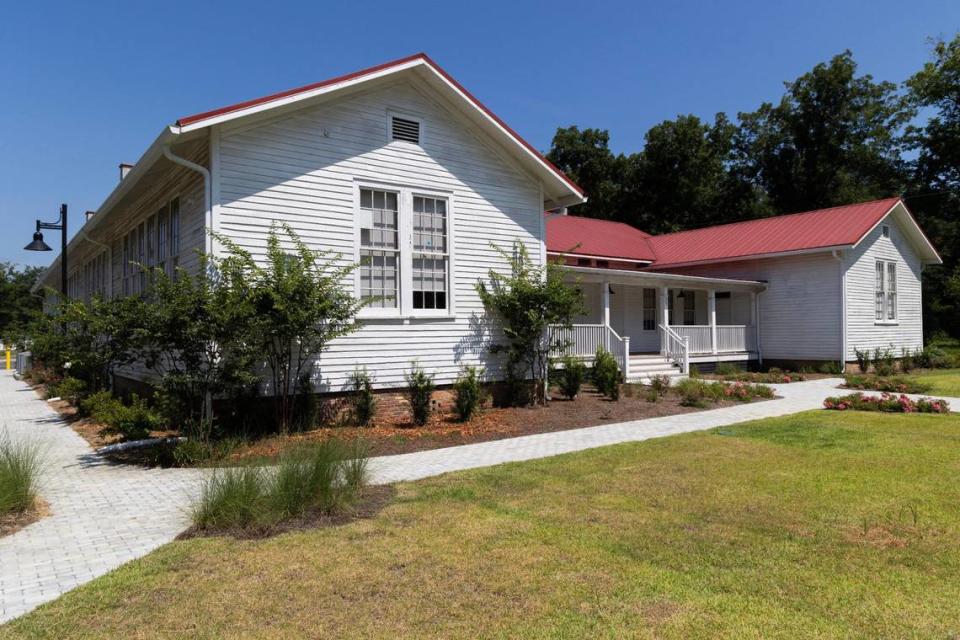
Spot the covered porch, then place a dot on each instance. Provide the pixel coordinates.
(683, 318)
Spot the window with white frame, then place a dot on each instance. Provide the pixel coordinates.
(380, 248)
(430, 253)
(886, 291)
(404, 251)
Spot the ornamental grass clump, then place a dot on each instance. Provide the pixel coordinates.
(20, 467)
(324, 479)
(887, 403)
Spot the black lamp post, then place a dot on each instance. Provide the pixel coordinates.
(39, 245)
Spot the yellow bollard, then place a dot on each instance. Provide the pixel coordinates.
(8, 359)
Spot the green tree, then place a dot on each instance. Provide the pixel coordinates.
(528, 302)
(686, 177)
(834, 138)
(297, 303)
(935, 196)
(17, 305)
(586, 158)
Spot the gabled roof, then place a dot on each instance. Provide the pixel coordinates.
(574, 235)
(821, 230)
(559, 190)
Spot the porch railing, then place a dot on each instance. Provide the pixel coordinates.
(676, 347)
(583, 339)
(731, 338)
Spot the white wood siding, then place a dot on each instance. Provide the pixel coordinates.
(302, 168)
(863, 330)
(801, 308)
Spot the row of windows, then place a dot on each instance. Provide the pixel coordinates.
(155, 242)
(91, 279)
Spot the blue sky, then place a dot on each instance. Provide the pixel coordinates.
(86, 85)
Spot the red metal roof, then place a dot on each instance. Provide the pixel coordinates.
(820, 229)
(823, 228)
(592, 237)
(191, 119)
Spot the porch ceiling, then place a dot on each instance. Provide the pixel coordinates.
(657, 279)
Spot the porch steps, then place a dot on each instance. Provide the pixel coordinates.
(644, 366)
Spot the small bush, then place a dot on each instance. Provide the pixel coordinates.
(907, 360)
(69, 389)
(883, 362)
(571, 376)
(728, 369)
(652, 396)
(831, 368)
(692, 392)
(101, 406)
(468, 393)
(20, 467)
(863, 359)
(606, 374)
(133, 422)
(933, 357)
(697, 393)
(887, 403)
(419, 392)
(363, 402)
(660, 384)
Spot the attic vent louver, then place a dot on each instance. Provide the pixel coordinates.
(406, 130)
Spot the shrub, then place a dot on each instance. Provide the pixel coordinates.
(692, 392)
(99, 406)
(894, 384)
(20, 467)
(883, 362)
(660, 384)
(419, 392)
(468, 393)
(135, 421)
(363, 402)
(887, 403)
(831, 368)
(606, 374)
(933, 357)
(696, 393)
(652, 395)
(863, 359)
(728, 369)
(69, 389)
(571, 376)
(907, 360)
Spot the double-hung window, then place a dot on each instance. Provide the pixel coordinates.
(430, 253)
(649, 309)
(404, 251)
(885, 295)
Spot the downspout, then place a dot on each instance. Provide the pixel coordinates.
(843, 310)
(758, 316)
(207, 192)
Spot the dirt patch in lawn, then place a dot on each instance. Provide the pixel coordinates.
(13, 522)
(395, 436)
(372, 500)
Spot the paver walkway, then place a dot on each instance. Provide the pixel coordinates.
(105, 515)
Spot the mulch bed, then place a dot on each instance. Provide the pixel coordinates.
(13, 522)
(389, 437)
(372, 500)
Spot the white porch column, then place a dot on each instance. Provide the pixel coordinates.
(605, 297)
(664, 315)
(712, 313)
(755, 321)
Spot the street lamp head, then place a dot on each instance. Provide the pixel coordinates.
(38, 244)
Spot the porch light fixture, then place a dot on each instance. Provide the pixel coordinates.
(39, 245)
(682, 294)
(610, 290)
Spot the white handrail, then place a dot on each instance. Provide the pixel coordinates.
(676, 348)
(583, 339)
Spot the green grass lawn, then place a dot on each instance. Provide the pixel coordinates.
(944, 382)
(821, 524)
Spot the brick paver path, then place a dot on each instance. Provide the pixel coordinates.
(104, 515)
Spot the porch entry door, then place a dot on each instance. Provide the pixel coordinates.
(640, 322)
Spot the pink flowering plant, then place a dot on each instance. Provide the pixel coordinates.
(886, 402)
